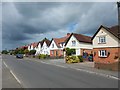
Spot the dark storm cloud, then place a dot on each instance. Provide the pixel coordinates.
(29, 22)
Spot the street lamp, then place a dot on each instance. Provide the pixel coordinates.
(118, 6)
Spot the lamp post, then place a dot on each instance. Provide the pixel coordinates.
(118, 6)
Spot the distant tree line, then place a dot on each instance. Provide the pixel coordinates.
(19, 51)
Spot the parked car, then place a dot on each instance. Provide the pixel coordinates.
(19, 55)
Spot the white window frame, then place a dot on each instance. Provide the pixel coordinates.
(102, 53)
(102, 39)
(73, 43)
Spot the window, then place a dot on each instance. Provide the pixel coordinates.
(102, 39)
(73, 43)
(102, 53)
(52, 45)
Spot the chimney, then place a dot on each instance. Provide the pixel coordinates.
(68, 34)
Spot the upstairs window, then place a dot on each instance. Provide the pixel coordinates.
(102, 39)
(102, 53)
(52, 45)
(74, 43)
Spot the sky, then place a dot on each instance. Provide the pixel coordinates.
(27, 22)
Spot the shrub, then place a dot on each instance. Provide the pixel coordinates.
(72, 59)
(80, 58)
(43, 56)
(26, 51)
(32, 52)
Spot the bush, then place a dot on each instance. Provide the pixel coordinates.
(43, 56)
(26, 51)
(72, 59)
(80, 58)
(32, 52)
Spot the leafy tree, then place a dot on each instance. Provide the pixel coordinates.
(32, 52)
(5, 52)
(70, 52)
(26, 51)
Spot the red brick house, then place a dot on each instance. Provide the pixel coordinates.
(106, 45)
(57, 45)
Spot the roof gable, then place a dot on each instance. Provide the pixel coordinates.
(113, 30)
(53, 42)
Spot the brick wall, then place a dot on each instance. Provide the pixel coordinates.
(56, 53)
(110, 58)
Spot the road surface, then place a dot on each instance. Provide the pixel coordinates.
(32, 74)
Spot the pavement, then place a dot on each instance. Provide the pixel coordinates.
(41, 74)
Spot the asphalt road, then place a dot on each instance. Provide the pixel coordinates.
(32, 74)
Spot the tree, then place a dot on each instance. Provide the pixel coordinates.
(70, 52)
(5, 52)
(32, 52)
(26, 51)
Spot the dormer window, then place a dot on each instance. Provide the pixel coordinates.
(73, 43)
(102, 39)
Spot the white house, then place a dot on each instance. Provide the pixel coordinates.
(80, 43)
(57, 45)
(45, 47)
(38, 48)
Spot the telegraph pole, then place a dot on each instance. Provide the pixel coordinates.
(118, 6)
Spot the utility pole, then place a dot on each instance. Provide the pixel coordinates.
(118, 6)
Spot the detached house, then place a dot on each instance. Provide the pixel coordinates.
(81, 44)
(57, 45)
(106, 44)
(45, 46)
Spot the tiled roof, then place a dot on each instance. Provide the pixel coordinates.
(59, 41)
(44, 40)
(34, 44)
(80, 38)
(114, 30)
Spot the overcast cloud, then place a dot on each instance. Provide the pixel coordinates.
(24, 23)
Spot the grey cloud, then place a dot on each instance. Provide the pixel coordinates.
(23, 21)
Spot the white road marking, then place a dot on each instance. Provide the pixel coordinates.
(60, 66)
(53, 64)
(91, 72)
(45, 62)
(5, 64)
(15, 76)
